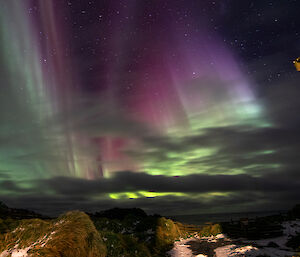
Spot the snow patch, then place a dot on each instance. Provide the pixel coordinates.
(20, 252)
(16, 252)
(233, 250)
(180, 249)
(60, 222)
(249, 251)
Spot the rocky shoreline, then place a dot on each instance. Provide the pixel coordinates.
(223, 246)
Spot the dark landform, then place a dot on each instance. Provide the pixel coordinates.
(125, 232)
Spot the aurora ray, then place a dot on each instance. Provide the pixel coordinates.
(89, 90)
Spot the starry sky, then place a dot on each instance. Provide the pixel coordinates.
(172, 106)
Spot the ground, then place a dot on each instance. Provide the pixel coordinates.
(222, 246)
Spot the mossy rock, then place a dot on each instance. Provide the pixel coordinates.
(71, 235)
(105, 224)
(166, 233)
(210, 230)
(124, 245)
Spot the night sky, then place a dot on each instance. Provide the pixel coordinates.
(173, 106)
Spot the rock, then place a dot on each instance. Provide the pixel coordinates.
(71, 235)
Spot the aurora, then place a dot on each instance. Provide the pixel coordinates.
(92, 91)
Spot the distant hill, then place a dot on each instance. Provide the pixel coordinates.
(13, 213)
(3, 206)
(120, 214)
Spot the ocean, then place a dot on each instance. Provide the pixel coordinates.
(200, 219)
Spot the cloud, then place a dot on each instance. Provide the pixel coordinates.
(224, 150)
(126, 181)
(11, 187)
(4, 174)
(56, 142)
(253, 165)
(200, 193)
(166, 205)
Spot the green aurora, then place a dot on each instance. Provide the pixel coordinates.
(191, 118)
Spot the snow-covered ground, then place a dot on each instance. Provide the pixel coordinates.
(250, 251)
(240, 247)
(180, 249)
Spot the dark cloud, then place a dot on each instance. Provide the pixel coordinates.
(201, 193)
(7, 185)
(196, 183)
(4, 174)
(248, 149)
(166, 205)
